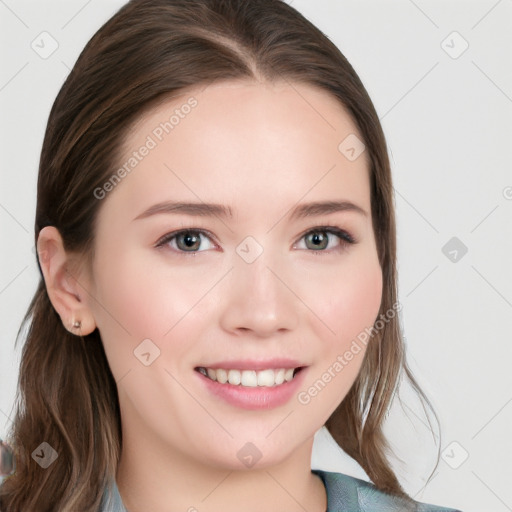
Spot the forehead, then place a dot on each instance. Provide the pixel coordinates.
(251, 140)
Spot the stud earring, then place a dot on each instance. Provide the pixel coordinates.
(77, 324)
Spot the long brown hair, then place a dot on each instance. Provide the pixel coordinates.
(147, 52)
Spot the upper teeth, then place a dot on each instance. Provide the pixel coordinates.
(250, 378)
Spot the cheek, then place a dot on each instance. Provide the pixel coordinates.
(353, 303)
(348, 300)
(136, 300)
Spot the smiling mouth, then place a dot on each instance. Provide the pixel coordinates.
(250, 378)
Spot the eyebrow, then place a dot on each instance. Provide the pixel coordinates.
(217, 210)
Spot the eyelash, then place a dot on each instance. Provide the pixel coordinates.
(344, 237)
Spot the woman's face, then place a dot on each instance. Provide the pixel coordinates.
(258, 278)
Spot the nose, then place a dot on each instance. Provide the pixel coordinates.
(259, 298)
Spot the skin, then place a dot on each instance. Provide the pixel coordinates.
(260, 149)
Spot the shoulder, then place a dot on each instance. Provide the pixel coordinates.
(111, 499)
(344, 494)
(347, 493)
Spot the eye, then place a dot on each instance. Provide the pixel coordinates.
(186, 240)
(320, 238)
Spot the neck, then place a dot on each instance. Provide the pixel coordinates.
(158, 478)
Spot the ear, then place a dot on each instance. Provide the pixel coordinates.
(64, 284)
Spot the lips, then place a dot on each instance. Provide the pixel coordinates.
(252, 385)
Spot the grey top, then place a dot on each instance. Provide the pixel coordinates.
(344, 494)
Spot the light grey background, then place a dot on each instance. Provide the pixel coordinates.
(447, 118)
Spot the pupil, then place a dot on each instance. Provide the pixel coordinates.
(190, 240)
(319, 240)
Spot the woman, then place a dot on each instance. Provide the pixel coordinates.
(216, 237)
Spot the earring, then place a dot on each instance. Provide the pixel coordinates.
(76, 324)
